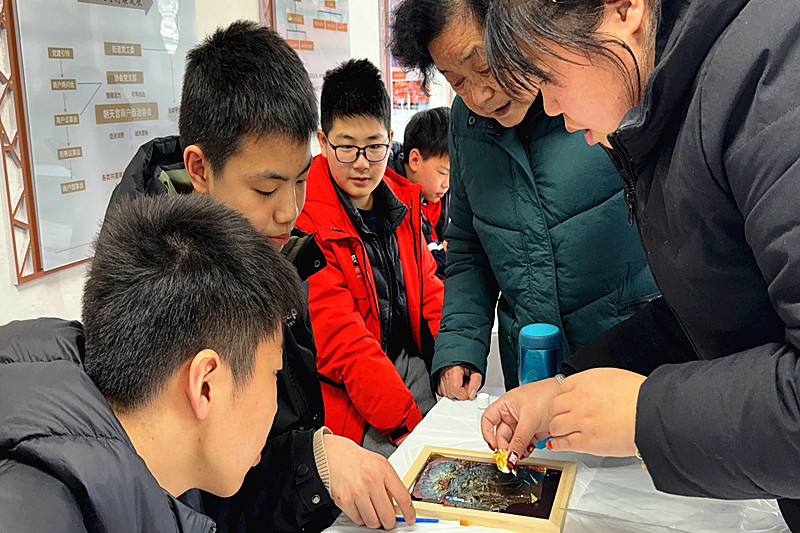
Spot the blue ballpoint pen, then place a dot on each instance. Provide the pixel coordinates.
(419, 520)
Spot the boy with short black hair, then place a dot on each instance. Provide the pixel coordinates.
(376, 306)
(182, 312)
(247, 115)
(424, 158)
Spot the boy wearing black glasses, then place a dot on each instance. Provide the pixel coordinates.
(376, 306)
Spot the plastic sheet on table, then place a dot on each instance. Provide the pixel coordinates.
(620, 497)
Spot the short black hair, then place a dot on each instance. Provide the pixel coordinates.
(354, 89)
(418, 22)
(173, 275)
(244, 80)
(428, 131)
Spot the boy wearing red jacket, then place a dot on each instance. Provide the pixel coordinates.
(376, 306)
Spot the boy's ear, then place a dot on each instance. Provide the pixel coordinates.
(204, 381)
(414, 159)
(197, 167)
(391, 137)
(625, 18)
(322, 142)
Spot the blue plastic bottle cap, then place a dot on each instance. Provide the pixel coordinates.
(540, 336)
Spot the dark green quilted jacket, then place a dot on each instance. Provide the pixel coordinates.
(547, 234)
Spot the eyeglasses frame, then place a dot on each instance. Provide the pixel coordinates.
(359, 150)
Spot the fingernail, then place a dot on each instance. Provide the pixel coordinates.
(512, 459)
(549, 445)
(548, 434)
(531, 447)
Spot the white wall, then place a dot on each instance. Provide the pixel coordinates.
(365, 30)
(57, 294)
(213, 13)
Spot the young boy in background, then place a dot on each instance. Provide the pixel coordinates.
(182, 309)
(376, 306)
(247, 115)
(424, 158)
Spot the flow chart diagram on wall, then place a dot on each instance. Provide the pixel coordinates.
(318, 29)
(101, 78)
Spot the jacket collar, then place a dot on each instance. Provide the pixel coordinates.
(385, 203)
(304, 253)
(506, 138)
(397, 159)
(149, 170)
(686, 25)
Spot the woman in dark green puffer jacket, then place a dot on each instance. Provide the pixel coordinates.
(537, 218)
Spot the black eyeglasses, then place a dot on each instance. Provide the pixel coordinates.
(348, 153)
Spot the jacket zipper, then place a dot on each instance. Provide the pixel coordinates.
(391, 284)
(622, 164)
(418, 258)
(624, 307)
(372, 291)
(307, 417)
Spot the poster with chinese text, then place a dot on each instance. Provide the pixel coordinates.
(102, 77)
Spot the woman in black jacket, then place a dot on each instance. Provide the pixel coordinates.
(697, 102)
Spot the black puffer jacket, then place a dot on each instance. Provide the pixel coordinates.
(66, 463)
(711, 154)
(284, 492)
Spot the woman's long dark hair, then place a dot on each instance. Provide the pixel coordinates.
(520, 32)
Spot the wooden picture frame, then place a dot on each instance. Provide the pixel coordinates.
(553, 524)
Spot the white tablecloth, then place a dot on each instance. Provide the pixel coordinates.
(610, 494)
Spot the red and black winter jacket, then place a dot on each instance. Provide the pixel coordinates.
(360, 385)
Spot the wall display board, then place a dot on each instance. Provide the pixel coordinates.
(101, 77)
(318, 29)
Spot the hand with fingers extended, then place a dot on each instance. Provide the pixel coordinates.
(363, 484)
(459, 383)
(519, 417)
(595, 412)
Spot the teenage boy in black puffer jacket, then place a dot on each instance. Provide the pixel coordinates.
(183, 309)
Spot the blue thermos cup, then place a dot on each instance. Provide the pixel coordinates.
(539, 352)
